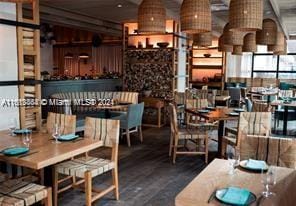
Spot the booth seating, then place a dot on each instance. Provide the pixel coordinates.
(72, 103)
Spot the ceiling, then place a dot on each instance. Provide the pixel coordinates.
(93, 14)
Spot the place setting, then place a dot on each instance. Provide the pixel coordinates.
(58, 137)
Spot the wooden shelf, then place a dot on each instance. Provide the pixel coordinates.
(30, 52)
(207, 57)
(207, 67)
(155, 34)
(149, 49)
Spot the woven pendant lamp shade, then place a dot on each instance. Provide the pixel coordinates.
(246, 15)
(196, 16)
(267, 36)
(284, 50)
(279, 45)
(222, 47)
(237, 50)
(202, 39)
(232, 37)
(151, 17)
(250, 43)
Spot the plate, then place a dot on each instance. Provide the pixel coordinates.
(243, 164)
(203, 111)
(22, 131)
(239, 110)
(221, 192)
(233, 114)
(68, 137)
(15, 151)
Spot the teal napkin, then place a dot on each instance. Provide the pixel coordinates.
(15, 151)
(22, 131)
(68, 137)
(235, 195)
(256, 164)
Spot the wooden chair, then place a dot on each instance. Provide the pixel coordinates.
(198, 134)
(86, 168)
(18, 192)
(180, 103)
(249, 124)
(261, 106)
(67, 123)
(196, 104)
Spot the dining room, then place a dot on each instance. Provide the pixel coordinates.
(147, 102)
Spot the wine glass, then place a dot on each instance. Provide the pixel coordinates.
(233, 160)
(12, 126)
(268, 179)
(27, 138)
(56, 133)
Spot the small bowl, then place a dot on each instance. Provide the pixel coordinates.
(163, 44)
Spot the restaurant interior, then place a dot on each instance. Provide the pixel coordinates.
(147, 102)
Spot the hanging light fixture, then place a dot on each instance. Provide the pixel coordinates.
(196, 16)
(83, 55)
(279, 45)
(284, 49)
(250, 43)
(151, 17)
(232, 37)
(222, 47)
(68, 55)
(246, 15)
(267, 36)
(202, 39)
(237, 50)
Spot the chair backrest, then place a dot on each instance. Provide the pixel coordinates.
(254, 123)
(234, 93)
(180, 98)
(260, 106)
(249, 105)
(196, 103)
(135, 115)
(67, 123)
(274, 150)
(286, 93)
(173, 118)
(105, 130)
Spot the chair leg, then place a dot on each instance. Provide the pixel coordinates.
(55, 176)
(175, 150)
(88, 188)
(171, 144)
(115, 182)
(48, 200)
(206, 150)
(140, 133)
(128, 138)
(224, 148)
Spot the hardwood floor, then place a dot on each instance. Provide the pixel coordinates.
(146, 174)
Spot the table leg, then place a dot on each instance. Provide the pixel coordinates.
(220, 137)
(159, 117)
(285, 120)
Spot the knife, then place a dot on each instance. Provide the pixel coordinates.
(28, 154)
(212, 196)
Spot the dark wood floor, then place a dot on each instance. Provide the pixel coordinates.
(146, 174)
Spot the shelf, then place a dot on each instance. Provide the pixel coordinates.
(30, 52)
(220, 67)
(207, 57)
(149, 49)
(155, 34)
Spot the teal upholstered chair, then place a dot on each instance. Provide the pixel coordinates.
(132, 119)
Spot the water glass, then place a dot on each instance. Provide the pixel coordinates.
(234, 160)
(27, 138)
(268, 179)
(12, 126)
(56, 133)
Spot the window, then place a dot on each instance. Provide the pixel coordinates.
(265, 63)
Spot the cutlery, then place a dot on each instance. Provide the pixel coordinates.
(259, 200)
(28, 154)
(212, 196)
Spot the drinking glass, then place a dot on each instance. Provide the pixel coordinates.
(233, 160)
(268, 179)
(12, 126)
(27, 138)
(56, 133)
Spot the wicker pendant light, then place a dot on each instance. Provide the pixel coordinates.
(222, 47)
(196, 16)
(202, 39)
(237, 50)
(232, 37)
(246, 15)
(284, 50)
(267, 36)
(279, 45)
(151, 17)
(250, 43)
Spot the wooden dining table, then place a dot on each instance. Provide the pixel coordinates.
(43, 151)
(220, 115)
(215, 176)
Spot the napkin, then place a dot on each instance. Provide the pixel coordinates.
(15, 150)
(68, 136)
(256, 164)
(22, 131)
(235, 195)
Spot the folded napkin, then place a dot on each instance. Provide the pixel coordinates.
(15, 151)
(256, 164)
(68, 136)
(22, 131)
(235, 195)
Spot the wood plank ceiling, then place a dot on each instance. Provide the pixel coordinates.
(109, 14)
